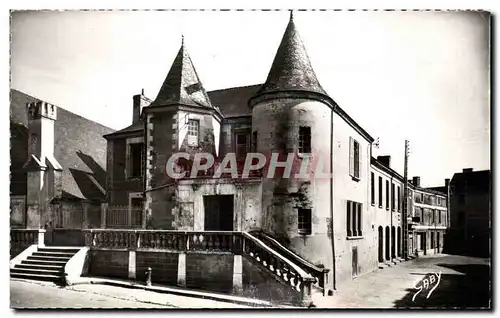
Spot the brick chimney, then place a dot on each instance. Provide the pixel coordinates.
(385, 160)
(139, 102)
(416, 181)
(446, 183)
(466, 170)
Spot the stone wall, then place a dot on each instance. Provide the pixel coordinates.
(109, 263)
(213, 272)
(163, 266)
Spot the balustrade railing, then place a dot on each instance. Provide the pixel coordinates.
(319, 274)
(23, 237)
(206, 241)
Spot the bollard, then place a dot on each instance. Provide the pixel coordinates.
(148, 276)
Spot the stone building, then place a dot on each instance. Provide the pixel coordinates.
(350, 224)
(430, 213)
(57, 166)
(470, 211)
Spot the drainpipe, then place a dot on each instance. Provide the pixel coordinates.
(331, 201)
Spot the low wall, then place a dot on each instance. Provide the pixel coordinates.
(64, 237)
(109, 263)
(210, 272)
(163, 265)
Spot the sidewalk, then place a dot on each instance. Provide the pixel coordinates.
(175, 291)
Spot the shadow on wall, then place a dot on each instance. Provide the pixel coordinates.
(88, 189)
(469, 289)
(98, 172)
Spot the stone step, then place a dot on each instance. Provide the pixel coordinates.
(58, 268)
(59, 249)
(49, 258)
(44, 277)
(43, 262)
(35, 271)
(54, 254)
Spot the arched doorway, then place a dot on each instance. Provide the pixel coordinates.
(387, 242)
(400, 242)
(380, 244)
(393, 242)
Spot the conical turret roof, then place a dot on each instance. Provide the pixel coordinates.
(182, 84)
(291, 69)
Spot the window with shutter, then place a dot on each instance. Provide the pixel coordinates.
(380, 192)
(354, 158)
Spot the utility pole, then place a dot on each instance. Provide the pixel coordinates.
(405, 203)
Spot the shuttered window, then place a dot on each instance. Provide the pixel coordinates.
(354, 158)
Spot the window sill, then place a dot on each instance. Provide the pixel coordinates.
(357, 179)
(304, 233)
(355, 237)
(373, 204)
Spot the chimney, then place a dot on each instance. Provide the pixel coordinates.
(416, 181)
(385, 160)
(446, 183)
(139, 101)
(465, 170)
(43, 171)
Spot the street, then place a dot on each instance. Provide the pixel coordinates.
(34, 294)
(464, 282)
(457, 282)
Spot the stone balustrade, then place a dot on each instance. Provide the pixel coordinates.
(205, 242)
(24, 237)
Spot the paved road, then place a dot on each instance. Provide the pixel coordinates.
(464, 282)
(33, 294)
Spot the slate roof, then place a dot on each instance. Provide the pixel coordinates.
(182, 84)
(79, 148)
(291, 69)
(233, 101)
(135, 127)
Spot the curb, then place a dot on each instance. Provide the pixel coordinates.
(180, 292)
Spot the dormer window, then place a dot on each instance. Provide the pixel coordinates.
(193, 132)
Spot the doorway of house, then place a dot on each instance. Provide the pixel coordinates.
(219, 212)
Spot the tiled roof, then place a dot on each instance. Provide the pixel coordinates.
(182, 84)
(234, 101)
(79, 148)
(291, 69)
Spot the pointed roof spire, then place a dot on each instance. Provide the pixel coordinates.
(182, 84)
(291, 70)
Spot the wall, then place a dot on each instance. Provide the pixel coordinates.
(109, 263)
(212, 272)
(17, 211)
(163, 266)
(346, 188)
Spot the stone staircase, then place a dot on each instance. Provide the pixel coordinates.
(46, 264)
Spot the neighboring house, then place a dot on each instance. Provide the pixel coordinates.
(470, 209)
(430, 213)
(57, 166)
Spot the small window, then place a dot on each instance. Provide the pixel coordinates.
(241, 145)
(354, 153)
(439, 216)
(304, 220)
(387, 194)
(305, 139)
(354, 219)
(393, 197)
(193, 132)
(399, 198)
(380, 192)
(136, 160)
(372, 184)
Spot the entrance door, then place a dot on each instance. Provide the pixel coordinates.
(380, 244)
(354, 261)
(218, 212)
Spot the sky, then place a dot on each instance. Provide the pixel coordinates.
(417, 76)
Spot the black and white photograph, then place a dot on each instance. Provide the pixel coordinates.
(250, 159)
